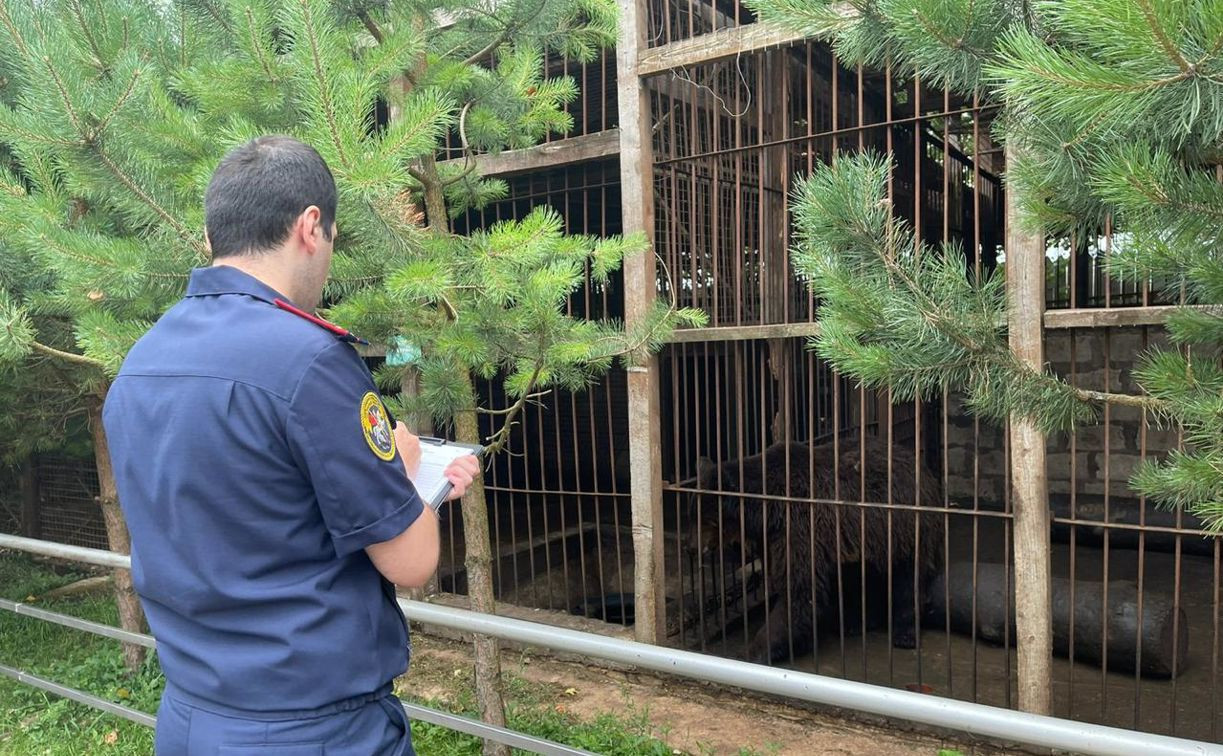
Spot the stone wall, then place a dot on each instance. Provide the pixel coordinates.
(1104, 455)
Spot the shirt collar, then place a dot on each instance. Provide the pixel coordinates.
(226, 279)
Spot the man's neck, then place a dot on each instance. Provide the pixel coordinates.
(269, 270)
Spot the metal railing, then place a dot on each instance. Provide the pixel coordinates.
(509, 737)
(976, 719)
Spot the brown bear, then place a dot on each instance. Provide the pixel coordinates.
(812, 533)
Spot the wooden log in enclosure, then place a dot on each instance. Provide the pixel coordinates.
(1164, 631)
(1133, 521)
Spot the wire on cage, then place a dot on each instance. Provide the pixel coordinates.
(684, 77)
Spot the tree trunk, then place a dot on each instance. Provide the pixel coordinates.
(475, 515)
(1025, 286)
(130, 615)
(480, 584)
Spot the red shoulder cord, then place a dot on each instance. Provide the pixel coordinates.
(342, 333)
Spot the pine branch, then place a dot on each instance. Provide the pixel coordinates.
(370, 25)
(89, 140)
(490, 48)
(120, 102)
(1169, 48)
(80, 129)
(469, 158)
(323, 83)
(7, 19)
(76, 359)
(1124, 400)
(258, 48)
(533, 398)
(144, 197)
(79, 14)
(499, 440)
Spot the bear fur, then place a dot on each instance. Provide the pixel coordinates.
(811, 477)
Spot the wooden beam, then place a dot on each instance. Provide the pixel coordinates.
(1025, 289)
(1085, 317)
(744, 333)
(640, 290)
(576, 149)
(726, 43)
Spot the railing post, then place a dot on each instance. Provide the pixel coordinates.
(640, 288)
(1025, 285)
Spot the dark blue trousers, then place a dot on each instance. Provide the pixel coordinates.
(188, 727)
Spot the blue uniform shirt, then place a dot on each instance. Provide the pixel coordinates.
(254, 463)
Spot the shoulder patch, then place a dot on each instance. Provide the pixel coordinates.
(377, 427)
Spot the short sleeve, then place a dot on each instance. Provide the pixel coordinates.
(342, 437)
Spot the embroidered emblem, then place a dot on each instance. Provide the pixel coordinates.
(377, 427)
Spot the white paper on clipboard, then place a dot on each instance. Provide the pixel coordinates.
(435, 456)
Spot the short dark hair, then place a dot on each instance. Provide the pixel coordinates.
(259, 189)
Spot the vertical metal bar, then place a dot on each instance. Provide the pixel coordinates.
(918, 236)
(1214, 644)
(739, 453)
(678, 369)
(1074, 530)
(636, 180)
(889, 96)
(715, 227)
(684, 400)
(763, 272)
(739, 219)
(1142, 542)
(1107, 486)
(545, 500)
(976, 421)
(1007, 586)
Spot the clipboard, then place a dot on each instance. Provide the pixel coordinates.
(435, 455)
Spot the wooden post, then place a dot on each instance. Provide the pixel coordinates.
(31, 523)
(640, 288)
(1025, 283)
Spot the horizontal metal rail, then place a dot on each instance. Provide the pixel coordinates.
(988, 721)
(415, 711)
(97, 628)
(139, 717)
(480, 729)
(475, 727)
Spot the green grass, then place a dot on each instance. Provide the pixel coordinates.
(32, 722)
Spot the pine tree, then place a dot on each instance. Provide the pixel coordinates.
(1112, 111)
(492, 304)
(114, 115)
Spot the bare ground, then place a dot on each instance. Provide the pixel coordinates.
(690, 717)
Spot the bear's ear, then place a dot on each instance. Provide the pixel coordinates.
(706, 473)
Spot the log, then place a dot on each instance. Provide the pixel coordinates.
(1158, 524)
(1163, 640)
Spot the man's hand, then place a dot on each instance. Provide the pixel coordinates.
(409, 450)
(461, 473)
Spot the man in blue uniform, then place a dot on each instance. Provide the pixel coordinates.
(267, 494)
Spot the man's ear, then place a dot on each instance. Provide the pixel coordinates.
(308, 229)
